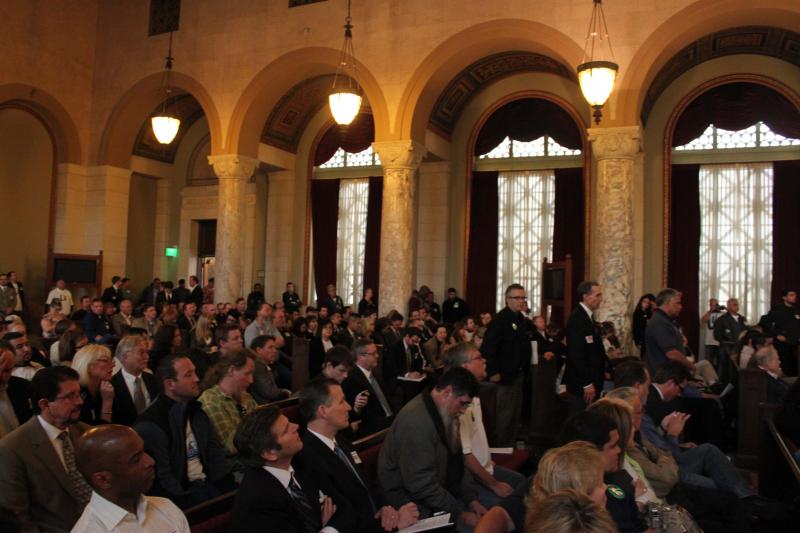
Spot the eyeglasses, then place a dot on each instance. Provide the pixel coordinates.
(72, 396)
(465, 403)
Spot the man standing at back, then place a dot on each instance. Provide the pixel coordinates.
(583, 375)
(40, 482)
(663, 338)
(507, 349)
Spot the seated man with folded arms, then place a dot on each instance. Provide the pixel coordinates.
(190, 461)
(421, 460)
(113, 461)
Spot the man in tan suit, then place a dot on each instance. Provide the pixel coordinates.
(40, 482)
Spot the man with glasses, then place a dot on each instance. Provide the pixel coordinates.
(507, 349)
(421, 459)
(134, 389)
(365, 391)
(583, 375)
(41, 484)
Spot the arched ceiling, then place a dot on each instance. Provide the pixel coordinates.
(482, 73)
(146, 145)
(761, 40)
(290, 116)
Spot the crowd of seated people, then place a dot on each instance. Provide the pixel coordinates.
(189, 393)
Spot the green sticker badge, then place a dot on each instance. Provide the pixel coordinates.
(616, 492)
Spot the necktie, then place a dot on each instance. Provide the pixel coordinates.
(379, 393)
(307, 513)
(81, 489)
(138, 396)
(343, 457)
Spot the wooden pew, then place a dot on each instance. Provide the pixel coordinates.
(300, 349)
(213, 516)
(752, 393)
(368, 449)
(488, 396)
(778, 472)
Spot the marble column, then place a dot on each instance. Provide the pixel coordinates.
(233, 170)
(616, 151)
(400, 160)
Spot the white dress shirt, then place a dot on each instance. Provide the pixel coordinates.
(153, 515)
(473, 435)
(130, 382)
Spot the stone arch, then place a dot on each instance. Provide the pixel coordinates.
(466, 47)
(688, 25)
(132, 109)
(276, 80)
(51, 113)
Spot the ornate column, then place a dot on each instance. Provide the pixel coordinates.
(616, 150)
(400, 160)
(233, 170)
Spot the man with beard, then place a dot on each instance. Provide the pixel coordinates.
(113, 461)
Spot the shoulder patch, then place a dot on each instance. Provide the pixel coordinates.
(616, 492)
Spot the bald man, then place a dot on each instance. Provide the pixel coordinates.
(113, 461)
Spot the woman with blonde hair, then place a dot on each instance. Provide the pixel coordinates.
(203, 337)
(577, 465)
(94, 365)
(568, 511)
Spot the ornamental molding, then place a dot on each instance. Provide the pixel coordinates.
(400, 154)
(615, 143)
(232, 166)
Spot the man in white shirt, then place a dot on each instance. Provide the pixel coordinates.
(113, 461)
(61, 295)
(495, 482)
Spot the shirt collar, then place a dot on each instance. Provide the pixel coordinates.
(658, 391)
(284, 476)
(367, 373)
(112, 514)
(130, 379)
(52, 431)
(330, 443)
(586, 308)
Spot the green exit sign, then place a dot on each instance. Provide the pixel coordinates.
(171, 251)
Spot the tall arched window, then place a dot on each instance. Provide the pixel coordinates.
(346, 203)
(730, 152)
(525, 152)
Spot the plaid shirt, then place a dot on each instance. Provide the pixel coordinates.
(225, 414)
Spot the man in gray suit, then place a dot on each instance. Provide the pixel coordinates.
(40, 482)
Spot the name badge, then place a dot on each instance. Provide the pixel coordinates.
(455, 305)
(589, 339)
(356, 458)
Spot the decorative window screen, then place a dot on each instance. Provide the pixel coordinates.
(544, 146)
(756, 136)
(526, 207)
(736, 236)
(342, 159)
(351, 238)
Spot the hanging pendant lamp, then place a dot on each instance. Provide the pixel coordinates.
(345, 98)
(596, 76)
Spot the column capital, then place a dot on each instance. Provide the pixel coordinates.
(615, 143)
(232, 166)
(405, 154)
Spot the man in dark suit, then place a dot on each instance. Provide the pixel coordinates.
(195, 292)
(583, 375)
(337, 466)
(134, 389)
(405, 360)
(187, 322)
(15, 393)
(727, 329)
(507, 350)
(347, 335)
(113, 294)
(333, 302)
(454, 308)
(41, 484)
(181, 294)
(272, 495)
(97, 325)
(769, 361)
(377, 414)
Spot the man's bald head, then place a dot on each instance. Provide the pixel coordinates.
(112, 459)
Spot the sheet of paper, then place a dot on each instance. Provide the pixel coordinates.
(405, 378)
(534, 353)
(502, 451)
(427, 524)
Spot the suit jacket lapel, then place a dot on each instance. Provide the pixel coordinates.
(43, 449)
